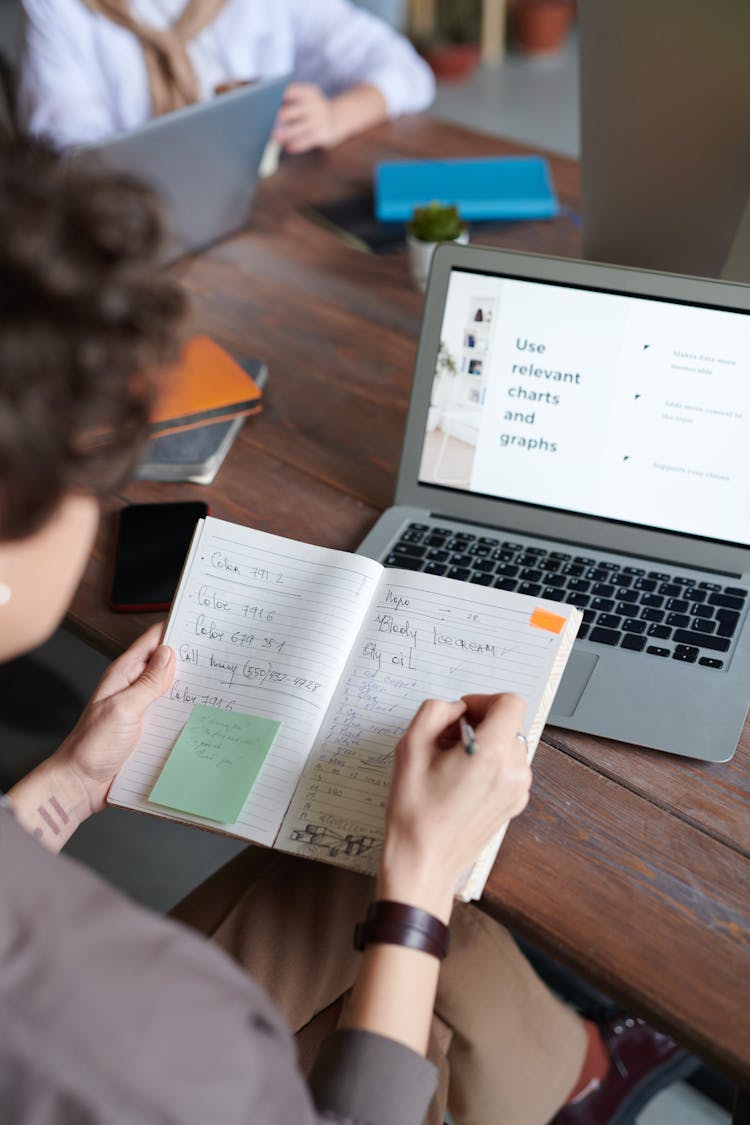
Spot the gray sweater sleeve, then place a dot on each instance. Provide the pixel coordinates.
(112, 1016)
(351, 1070)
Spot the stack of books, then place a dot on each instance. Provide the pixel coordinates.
(205, 403)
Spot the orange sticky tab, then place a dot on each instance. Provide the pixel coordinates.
(543, 619)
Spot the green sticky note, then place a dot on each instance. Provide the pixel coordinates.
(214, 763)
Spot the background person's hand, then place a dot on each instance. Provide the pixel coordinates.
(306, 120)
(445, 804)
(110, 726)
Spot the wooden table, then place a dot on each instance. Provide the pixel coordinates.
(631, 867)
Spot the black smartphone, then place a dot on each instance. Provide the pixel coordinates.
(152, 542)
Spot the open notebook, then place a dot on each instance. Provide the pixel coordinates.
(340, 651)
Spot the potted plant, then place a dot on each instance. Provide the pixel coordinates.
(430, 226)
(449, 39)
(540, 26)
(446, 369)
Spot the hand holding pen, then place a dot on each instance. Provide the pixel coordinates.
(454, 785)
(469, 736)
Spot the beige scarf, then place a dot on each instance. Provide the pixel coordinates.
(171, 78)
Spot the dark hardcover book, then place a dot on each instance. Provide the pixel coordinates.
(191, 455)
(354, 220)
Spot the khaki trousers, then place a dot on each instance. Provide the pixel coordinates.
(507, 1051)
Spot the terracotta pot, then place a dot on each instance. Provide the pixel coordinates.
(453, 62)
(541, 26)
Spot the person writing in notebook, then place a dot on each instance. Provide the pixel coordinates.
(93, 68)
(109, 1015)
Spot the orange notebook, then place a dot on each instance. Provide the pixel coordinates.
(206, 386)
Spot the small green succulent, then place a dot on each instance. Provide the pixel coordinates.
(435, 223)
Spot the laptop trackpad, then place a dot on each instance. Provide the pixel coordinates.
(577, 675)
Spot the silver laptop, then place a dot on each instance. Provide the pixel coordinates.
(580, 432)
(203, 161)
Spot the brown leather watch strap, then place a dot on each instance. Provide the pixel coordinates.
(396, 923)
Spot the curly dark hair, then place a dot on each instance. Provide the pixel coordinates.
(86, 324)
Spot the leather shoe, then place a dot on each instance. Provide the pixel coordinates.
(644, 1061)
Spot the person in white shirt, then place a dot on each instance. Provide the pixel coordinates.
(94, 68)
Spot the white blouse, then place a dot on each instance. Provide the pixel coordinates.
(83, 77)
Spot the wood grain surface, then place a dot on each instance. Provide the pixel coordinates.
(630, 866)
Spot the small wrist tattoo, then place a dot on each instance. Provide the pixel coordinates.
(49, 820)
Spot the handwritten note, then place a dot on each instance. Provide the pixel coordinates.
(214, 763)
(341, 652)
(261, 625)
(423, 637)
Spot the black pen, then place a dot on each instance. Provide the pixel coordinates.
(468, 736)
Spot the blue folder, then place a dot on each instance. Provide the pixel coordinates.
(493, 187)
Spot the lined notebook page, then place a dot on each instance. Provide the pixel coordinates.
(262, 625)
(423, 637)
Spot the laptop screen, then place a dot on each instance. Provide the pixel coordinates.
(596, 403)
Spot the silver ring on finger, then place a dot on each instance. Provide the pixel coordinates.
(522, 738)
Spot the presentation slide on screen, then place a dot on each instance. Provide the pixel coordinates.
(622, 407)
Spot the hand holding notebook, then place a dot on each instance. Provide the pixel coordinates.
(341, 653)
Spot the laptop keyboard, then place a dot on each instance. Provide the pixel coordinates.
(630, 607)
